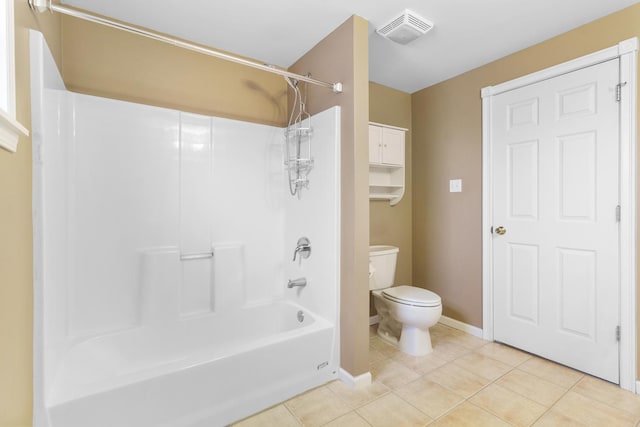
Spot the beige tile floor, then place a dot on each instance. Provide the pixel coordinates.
(465, 382)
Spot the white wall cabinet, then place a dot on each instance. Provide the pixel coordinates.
(386, 162)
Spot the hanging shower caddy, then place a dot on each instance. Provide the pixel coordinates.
(298, 160)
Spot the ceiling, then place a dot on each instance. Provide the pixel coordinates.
(466, 35)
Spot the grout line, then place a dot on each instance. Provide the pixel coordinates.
(542, 379)
(567, 390)
(298, 420)
(542, 415)
(552, 405)
(366, 402)
(464, 399)
(596, 398)
(411, 404)
(362, 417)
(448, 411)
(491, 382)
(489, 411)
(333, 419)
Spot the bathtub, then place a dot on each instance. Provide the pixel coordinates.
(194, 372)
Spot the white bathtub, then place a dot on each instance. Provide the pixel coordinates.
(205, 371)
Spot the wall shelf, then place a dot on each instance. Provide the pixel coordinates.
(386, 162)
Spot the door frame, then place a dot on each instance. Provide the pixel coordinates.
(627, 52)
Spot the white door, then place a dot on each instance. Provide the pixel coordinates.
(555, 156)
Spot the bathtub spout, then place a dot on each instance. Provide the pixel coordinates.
(301, 282)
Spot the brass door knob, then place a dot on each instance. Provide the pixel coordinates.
(501, 230)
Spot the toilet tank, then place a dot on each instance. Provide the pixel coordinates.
(383, 260)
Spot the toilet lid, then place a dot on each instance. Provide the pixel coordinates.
(411, 295)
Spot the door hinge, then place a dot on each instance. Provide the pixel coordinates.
(619, 91)
(618, 213)
(618, 333)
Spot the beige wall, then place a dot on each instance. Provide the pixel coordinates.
(103, 61)
(343, 56)
(447, 143)
(16, 249)
(391, 225)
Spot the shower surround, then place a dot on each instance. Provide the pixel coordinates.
(163, 243)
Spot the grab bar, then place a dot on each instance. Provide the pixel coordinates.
(198, 255)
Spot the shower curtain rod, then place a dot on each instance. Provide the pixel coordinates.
(44, 5)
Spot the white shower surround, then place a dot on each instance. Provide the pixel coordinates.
(121, 191)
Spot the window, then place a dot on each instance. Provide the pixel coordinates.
(10, 129)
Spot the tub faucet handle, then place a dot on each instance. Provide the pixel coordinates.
(303, 248)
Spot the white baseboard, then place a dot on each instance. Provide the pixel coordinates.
(360, 381)
(374, 319)
(456, 324)
(637, 387)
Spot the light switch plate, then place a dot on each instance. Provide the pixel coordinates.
(455, 186)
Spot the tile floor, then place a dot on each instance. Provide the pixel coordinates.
(466, 381)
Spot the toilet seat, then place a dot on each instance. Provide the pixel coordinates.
(413, 296)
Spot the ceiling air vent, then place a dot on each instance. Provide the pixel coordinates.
(405, 28)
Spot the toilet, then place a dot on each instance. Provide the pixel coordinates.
(406, 312)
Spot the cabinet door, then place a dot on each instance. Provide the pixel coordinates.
(375, 144)
(392, 146)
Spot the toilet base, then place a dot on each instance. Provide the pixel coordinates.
(415, 341)
(388, 328)
(387, 337)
